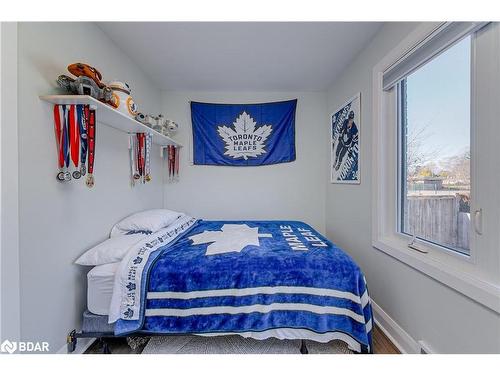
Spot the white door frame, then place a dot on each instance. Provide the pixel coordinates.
(9, 186)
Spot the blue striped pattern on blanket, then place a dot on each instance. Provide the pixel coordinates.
(251, 278)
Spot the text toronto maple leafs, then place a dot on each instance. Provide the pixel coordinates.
(245, 140)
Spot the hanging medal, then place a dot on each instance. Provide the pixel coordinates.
(82, 112)
(138, 158)
(172, 161)
(140, 155)
(174, 156)
(169, 155)
(174, 153)
(133, 155)
(171, 164)
(135, 146)
(74, 140)
(177, 161)
(65, 141)
(147, 165)
(131, 158)
(168, 162)
(91, 148)
(58, 133)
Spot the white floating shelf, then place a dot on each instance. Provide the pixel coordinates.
(109, 116)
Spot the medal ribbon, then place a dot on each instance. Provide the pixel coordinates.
(58, 133)
(91, 140)
(140, 153)
(168, 162)
(74, 135)
(172, 161)
(65, 135)
(171, 155)
(82, 111)
(133, 153)
(149, 141)
(177, 150)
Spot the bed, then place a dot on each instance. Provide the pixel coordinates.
(257, 279)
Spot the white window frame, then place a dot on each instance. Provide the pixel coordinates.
(453, 269)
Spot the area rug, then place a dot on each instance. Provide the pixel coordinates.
(237, 345)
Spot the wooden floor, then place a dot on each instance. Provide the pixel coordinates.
(381, 345)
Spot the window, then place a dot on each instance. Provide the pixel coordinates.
(434, 138)
(435, 167)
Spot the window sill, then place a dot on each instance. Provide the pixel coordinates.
(481, 291)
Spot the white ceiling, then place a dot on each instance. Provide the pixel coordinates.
(242, 56)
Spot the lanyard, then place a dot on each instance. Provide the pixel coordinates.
(171, 162)
(74, 140)
(149, 141)
(140, 154)
(65, 140)
(168, 162)
(58, 131)
(91, 147)
(177, 150)
(83, 115)
(132, 153)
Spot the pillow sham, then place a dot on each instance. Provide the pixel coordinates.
(110, 251)
(146, 222)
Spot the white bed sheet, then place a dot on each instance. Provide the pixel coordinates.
(100, 281)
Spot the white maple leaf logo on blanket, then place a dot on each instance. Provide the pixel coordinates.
(245, 140)
(232, 238)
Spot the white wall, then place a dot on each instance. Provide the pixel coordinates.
(59, 221)
(426, 309)
(294, 191)
(9, 189)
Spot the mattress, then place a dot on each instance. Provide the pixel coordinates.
(100, 281)
(96, 324)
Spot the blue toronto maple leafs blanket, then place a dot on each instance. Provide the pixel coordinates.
(254, 278)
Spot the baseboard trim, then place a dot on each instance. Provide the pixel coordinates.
(82, 345)
(398, 336)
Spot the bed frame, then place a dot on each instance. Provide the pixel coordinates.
(101, 337)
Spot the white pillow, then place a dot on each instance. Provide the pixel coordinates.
(145, 221)
(110, 251)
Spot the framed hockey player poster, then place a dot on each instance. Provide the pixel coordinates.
(345, 137)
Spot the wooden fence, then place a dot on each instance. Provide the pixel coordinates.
(438, 219)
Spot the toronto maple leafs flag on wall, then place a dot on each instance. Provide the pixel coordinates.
(243, 134)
